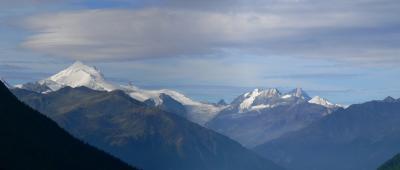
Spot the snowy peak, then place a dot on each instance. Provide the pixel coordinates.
(323, 102)
(78, 74)
(256, 99)
(263, 93)
(270, 93)
(298, 92)
(266, 99)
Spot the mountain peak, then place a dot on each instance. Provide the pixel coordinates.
(300, 93)
(221, 103)
(78, 63)
(323, 102)
(271, 92)
(389, 99)
(78, 74)
(250, 99)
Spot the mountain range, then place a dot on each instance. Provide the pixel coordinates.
(361, 136)
(164, 129)
(242, 120)
(79, 74)
(140, 134)
(29, 140)
(262, 115)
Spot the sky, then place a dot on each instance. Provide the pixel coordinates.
(346, 51)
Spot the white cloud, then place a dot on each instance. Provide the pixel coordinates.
(285, 28)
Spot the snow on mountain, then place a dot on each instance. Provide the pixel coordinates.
(142, 95)
(78, 74)
(254, 100)
(263, 115)
(298, 92)
(323, 102)
(269, 98)
(197, 111)
(286, 96)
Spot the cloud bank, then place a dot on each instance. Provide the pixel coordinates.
(363, 31)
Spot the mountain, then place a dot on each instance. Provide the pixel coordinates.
(76, 75)
(141, 135)
(361, 136)
(221, 103)
(323, 102)
(197, 112)
(262, 115)
(169, 104)
(392, 164)
(30, 140)
(299, 93)
(79, 74)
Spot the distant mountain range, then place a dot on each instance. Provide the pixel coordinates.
(252, 118)
(361, 136)
(163, 129)
(29, 140)
(79, 74)
(140, 134)
(262, 115)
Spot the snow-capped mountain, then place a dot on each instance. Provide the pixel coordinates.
(79, 74)
(76, 75)
(197, 112)
(259, 99)
(298, 92)
(262, 115)
(323, 102)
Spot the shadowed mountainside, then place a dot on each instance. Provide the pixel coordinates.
(359, 137)
(30, 140)
(392, 164)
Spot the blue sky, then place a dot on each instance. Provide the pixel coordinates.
(346, 51)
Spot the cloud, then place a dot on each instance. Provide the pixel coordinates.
(363, 31)
(19, 3)
(10, 67)
(329, 75)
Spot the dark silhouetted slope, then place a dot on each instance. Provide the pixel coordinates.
(392, 164)
(29, 140)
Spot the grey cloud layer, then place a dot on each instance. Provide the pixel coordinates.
(359, 31)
